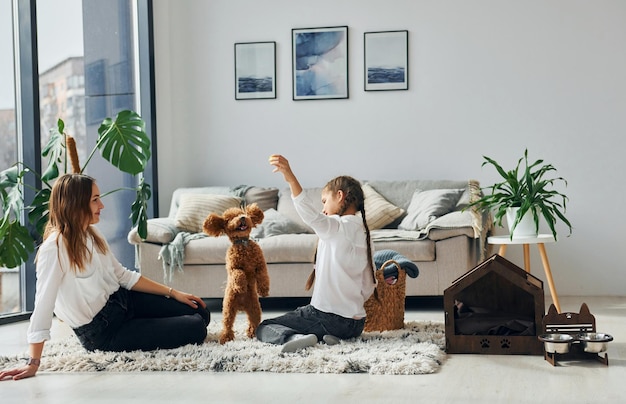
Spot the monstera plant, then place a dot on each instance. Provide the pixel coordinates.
(122, 142)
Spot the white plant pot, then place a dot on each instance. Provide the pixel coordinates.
(525, 227)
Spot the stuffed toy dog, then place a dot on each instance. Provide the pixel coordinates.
(245, 264)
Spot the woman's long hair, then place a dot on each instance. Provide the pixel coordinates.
(353, 196)
(70, 215)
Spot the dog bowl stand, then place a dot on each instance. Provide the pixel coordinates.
(572, 323)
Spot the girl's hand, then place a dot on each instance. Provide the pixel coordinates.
(281, 164)
(19, 373)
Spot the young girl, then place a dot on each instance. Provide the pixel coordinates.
(109, 307)
(344, 270)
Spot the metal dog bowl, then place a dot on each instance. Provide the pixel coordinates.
(594, 342)
(556, 343)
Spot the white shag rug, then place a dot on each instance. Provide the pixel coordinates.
(418, 348)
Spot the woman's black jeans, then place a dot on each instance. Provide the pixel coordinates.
(141, 321)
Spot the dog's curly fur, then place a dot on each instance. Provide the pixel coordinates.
(245, 264)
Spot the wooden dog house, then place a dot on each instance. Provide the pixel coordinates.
(495, 308)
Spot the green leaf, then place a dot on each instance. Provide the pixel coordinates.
(16, 244)
(55, 152)
(139, 209)
(9, 177)
(39, 210)
(11, 193)
(124, 142)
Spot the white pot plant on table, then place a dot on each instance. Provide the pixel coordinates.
(525, 194)
(122, 142)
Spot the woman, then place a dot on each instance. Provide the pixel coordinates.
(109, 307)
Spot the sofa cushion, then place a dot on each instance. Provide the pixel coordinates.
(265, 198)
(282, 248)
(289, 248)
(194, 208)
(472, 193)
(400, 192)
(287, 208)
(379, 211)
(436, 234)
(160, 230)
(274, 224)
(207, 250)
(426, 206)
(178, 192)
(422, 250)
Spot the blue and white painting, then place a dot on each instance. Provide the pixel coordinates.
(320, 63)
(255, 70)
(386, 60)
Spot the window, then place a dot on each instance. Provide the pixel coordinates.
(10, 299)
(60, 59)
(88, 55)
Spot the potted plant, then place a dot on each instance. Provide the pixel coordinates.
(122, 142)
(528, 190)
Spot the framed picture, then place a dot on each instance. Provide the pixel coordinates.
(255, 70)
(320, 63)
(386, 60)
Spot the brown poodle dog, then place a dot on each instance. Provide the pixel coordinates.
(245, 264)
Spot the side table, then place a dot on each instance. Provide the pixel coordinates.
(539, 241)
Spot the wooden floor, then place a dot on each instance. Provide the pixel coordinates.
(464, 378)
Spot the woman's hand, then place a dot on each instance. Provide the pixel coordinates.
(34, 349)
(188, 299)
(19, 373)
(147, 285)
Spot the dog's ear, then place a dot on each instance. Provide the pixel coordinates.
(255, 213)
(213, 225)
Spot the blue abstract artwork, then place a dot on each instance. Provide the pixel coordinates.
(320, 63)
(386, 60)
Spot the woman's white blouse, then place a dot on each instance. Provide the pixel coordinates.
(75, 298)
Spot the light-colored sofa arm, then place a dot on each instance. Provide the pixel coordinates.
(160, 230)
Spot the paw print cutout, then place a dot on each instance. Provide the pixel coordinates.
(505, 343)
(484, 343)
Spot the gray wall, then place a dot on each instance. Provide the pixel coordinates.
(486, 78)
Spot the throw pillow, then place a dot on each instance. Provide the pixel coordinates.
(471, 193)
(194, 208)
(379, 211)
(426, 206)
(266, 198)
(287, 208)
(274, 224)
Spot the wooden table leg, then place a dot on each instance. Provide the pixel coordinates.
(527, 257)
(546, 268)
(502, 250)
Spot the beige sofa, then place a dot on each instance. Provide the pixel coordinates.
(422, 220)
